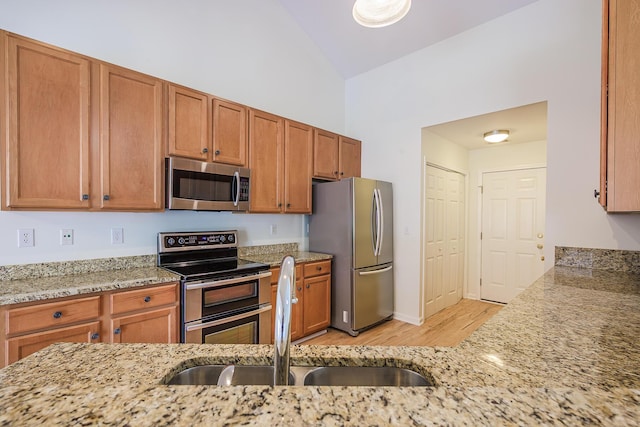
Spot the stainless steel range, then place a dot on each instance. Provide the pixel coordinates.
(225, 300)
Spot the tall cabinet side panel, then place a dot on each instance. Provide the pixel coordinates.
(331, 231)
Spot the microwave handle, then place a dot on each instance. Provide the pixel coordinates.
(236, 182)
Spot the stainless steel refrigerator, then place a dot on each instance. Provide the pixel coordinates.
(353, 220)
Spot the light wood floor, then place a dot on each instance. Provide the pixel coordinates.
(446, 328)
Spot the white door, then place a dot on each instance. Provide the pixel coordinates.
(444, 239)
(512, 232)
(454, 235)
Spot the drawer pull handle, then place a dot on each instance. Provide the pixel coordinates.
(318, 268)
(308, 286)
(95, 336)
(57, 315)
(116, 331)
(147, 299)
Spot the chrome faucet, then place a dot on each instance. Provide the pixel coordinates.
(286, 295)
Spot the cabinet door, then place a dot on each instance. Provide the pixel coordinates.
(298, 167)
(131, 155)
(153, 326)
(229, 133)
(46, 141)
(297, 312)
(349, 157)
(20, 347)
(188, 123)
(317, 304)
(266, 161)
(623, 121)
(325, 155)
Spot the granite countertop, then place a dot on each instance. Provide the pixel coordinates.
(273, 254)
(37, 282)
(565, 351)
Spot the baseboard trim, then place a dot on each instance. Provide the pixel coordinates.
(408, 319)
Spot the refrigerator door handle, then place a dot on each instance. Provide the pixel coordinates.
(376, 222)
(368, 273)
(380, 221)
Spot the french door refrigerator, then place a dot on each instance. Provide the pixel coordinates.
(353, 221)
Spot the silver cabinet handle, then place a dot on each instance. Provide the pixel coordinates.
(382, 270)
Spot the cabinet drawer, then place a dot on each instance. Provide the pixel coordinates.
(20, 347)
(317, 268)
(275, 273)
(123, 302)
(52, 315)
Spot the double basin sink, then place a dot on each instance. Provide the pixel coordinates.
(223, 375)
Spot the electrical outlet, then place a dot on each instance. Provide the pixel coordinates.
(66, 236)
(117, 235)
(25, 238)
(273, 229)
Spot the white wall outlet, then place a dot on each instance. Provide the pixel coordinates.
(273, 229)
(117, 235)
(25, 238)
(66, 236)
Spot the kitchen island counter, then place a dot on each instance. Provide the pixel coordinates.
(565, 351)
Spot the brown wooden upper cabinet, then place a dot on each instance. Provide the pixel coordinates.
(188, 123)
(620, 135)
(81, 134)
(45, 149)
(334, 156)
(131, 156)
(206, 128)
(280, 153)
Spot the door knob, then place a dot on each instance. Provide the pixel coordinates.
(542, 258)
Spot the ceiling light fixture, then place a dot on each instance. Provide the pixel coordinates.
(495, 136)
(380, 13)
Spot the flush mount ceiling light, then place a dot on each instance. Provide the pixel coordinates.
(380, 13)
(495, 136)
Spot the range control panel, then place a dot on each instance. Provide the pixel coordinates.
(187, 241)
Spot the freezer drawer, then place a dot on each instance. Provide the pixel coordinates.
(372, 295)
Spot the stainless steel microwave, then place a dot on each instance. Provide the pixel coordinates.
(205, 186)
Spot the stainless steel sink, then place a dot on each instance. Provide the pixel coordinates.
(302, 375)
(226, 375)
(365, 376)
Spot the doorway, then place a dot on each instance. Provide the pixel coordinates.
(444, 238)
(512, 236)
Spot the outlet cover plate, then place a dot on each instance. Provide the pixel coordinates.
(66, 236)
(25, 238)
(117, 235)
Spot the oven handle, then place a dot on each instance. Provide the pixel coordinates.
(216, 283)
(219, 322)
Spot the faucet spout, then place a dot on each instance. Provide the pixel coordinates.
(286, 295)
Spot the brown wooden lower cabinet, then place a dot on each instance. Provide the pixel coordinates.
(142, 315)
(23, 346)
(312, 313)
(155, 326)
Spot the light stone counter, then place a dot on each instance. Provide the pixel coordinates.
(273, 254)
(37, 282)
(564, 352)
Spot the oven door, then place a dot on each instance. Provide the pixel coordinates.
(204, 299)
(252, 327)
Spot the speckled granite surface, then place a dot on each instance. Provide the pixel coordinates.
(564, 352)
(273, 254)
(598, 259)
(36, 282)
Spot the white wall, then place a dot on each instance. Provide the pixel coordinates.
(249, 51)
(549, 50)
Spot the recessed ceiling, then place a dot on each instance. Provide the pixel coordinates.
(525, 124)
(354, 49)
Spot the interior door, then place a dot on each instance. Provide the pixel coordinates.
(454, 237)
(513, 206)
(434, 231)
